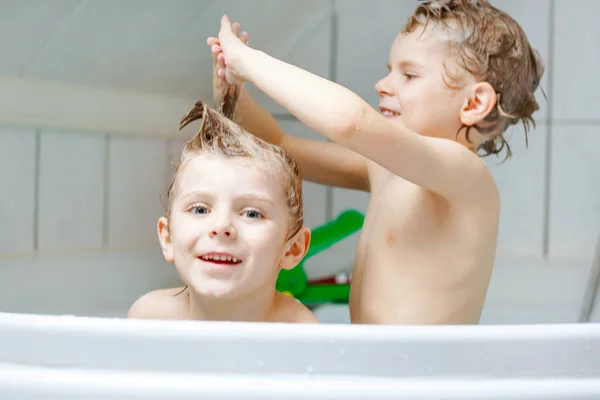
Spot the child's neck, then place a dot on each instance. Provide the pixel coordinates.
(252, 308)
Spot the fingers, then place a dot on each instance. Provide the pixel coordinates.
(221, 75)
(221, 60)
(225, 25)
(244, 36)
(236, 28)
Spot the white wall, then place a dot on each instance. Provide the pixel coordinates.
(81, 184)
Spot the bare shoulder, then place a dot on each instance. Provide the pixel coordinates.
(290, 310)
(475, 181)
(158, 304)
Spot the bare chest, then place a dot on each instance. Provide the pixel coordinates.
(401, 213)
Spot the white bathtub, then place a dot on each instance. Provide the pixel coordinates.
(54, 357)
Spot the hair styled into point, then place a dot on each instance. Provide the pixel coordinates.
(219, 135)
(492, 47)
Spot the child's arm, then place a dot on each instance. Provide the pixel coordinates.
(321, 162)
(442, 166)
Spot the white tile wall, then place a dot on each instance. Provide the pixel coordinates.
(521, 181)
(137, 179)
(174, 149)
(71, 191)
(296, 31)
(576, 60)
(366, 32)
(139, 171)
(17, 196)
(575, 191)
(306, 43)
(92, 283)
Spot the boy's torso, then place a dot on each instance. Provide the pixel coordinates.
(420, 259)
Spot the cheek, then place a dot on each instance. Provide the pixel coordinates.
(185, 234)
(267, 243)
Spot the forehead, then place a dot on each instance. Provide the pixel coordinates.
(423, 45)
(227, 175)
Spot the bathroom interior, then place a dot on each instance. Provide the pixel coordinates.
(91, 94)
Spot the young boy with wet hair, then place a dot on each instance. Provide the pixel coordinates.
(460, 73)
(234, 219)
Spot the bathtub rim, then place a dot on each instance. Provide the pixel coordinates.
(28, 381)
(262, 330)
(559, 351)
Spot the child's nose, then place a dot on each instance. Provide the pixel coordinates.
(224, 230)
(384, 88)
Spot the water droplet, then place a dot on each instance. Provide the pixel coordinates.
(261, 363)
(309, 369)
(406, 357)
(342, 351)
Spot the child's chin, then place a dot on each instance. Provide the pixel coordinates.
(215, 288)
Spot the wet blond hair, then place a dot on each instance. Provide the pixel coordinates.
(219, 135)
(493, 48)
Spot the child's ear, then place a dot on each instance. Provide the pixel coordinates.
(296, 249)
(480, 102)
(164, 238)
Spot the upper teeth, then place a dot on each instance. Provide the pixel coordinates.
(219, 258)
(387, 113)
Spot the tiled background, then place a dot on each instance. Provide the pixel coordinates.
(79, 204)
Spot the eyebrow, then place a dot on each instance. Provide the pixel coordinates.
(256, 196)
(246, 196)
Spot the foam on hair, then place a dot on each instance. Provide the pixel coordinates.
(220, 135)
(493, 48)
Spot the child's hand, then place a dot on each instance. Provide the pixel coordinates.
(220, 84)
(233, 49)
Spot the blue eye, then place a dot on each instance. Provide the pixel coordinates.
(200, 210)
(252, 214)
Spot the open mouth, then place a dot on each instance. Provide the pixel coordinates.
(388, 113)
(220, 258)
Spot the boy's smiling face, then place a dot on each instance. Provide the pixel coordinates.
(427, 90)
(228, 227)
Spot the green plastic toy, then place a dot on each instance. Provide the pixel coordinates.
(295, 282)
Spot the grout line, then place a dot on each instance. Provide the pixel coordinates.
(590, 296)
(106, 183)
(333, 51)
(36, 190)
(549, 133)
(573, 122)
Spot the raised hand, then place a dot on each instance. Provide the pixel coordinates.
(220, 83)
(234, 52)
